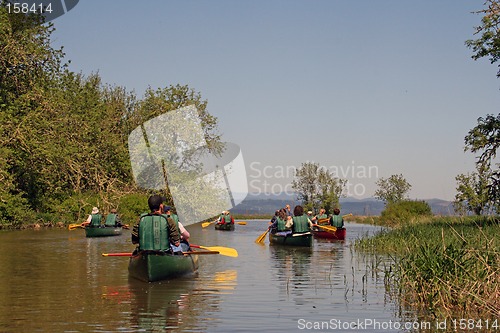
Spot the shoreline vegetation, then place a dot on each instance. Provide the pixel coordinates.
(443, 267)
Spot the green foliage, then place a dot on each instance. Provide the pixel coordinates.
(131, 206)
(317, 187)
(472, 192)
(488, 44)
(444, 266)
(64, 136)
(393, 189)
(402, 212)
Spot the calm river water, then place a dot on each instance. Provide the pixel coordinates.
(57, 281)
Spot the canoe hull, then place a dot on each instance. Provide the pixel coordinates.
(103, 232)
(339, 234)
(302, 240)
(154, 266)
(225, 227)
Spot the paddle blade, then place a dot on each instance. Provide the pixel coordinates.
(225, 251)
(242, 223)
(261, 238)
(328, 228)
(206, 224)
(74, 226)
(119, 254)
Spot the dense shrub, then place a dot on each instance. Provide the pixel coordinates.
(403, 211)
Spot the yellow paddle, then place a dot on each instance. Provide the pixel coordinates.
(75, 226)
(206, 224)
(225, 251)
(261, 238)
(328, 228)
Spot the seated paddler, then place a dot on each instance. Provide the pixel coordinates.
(279, 227)
(94, 220)
(225, 218)
(336, 220)
(156, 231)
(299, 223)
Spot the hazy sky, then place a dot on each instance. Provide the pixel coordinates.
(367, 89)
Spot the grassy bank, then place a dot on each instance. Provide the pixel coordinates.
(445, 267)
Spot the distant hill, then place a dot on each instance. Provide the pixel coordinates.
(267, 205)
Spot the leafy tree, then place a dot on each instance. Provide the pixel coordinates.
(393, 189)
(485, 139)
(472, 192)
(317, 187)
(488, 44)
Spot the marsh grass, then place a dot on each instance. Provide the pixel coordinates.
(444, 267)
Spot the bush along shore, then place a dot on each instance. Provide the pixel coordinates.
(444, 267)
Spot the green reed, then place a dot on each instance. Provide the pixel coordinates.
(443, 267)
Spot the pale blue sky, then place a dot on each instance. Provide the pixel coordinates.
(352, 85)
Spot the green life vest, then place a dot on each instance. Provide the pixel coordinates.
(175, 218)
(337, 221)
(320, 217)
(153, 232)
(227, 218)
(281, 225)
(96, 220)
(300, 224)
(110, 220)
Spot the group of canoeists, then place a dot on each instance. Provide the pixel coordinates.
(285, 223)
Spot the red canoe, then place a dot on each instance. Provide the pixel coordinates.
(339, 234)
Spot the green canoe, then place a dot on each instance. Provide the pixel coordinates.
(304, 239)
(226, 227)
(102, 231)
(153, 266)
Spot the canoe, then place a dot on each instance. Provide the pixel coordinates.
(102, 231)
(292, 239)
(225, 227)
(339, 234)
(150, 266)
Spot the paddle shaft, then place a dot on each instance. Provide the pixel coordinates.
(129, 254)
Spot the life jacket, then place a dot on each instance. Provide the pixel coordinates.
(227, 219)
(321, 217)
(300, 224)
(96, 220)
(153, 232)
(281, 225)
(176, 220)
(110, 220)
(337, 221)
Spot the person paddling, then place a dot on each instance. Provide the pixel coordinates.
(94, 219)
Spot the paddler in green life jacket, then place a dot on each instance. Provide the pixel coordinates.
(299, 223)
(94, 219)
(225, 218)
(112, 219)
(336, 220)
(321, 216)
(279, 223)
(155, 231)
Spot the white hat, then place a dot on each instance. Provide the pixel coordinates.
(95, 210)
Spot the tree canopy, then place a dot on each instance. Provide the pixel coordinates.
(63, 134)
(393, 189)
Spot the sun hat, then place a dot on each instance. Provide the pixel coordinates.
(95, 210)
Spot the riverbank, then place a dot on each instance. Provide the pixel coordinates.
(444, 267)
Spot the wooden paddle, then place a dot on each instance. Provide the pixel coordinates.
(225, 251)
(129, 254)
(328, 228)
(74, 226)
(261, 238)
(206, 224)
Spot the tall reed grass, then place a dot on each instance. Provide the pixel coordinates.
(446, 267)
